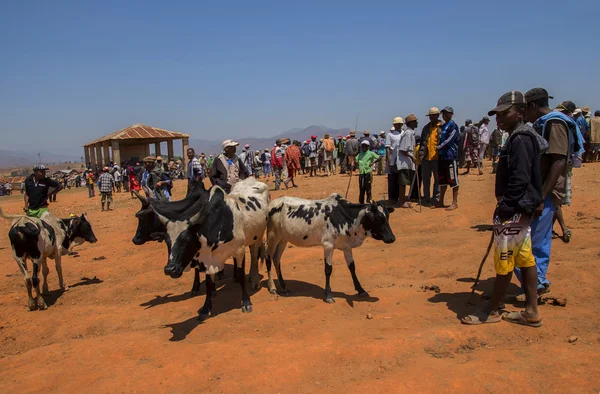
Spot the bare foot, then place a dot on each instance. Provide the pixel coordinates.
(452, 207)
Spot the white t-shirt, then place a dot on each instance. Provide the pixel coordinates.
(392, 141)
(407, 144)
(484, 134)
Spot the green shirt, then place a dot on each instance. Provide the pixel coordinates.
(365, 161)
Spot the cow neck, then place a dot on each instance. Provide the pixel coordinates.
(355, 211)
(67, 234)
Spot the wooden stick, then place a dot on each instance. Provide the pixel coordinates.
(487, 253)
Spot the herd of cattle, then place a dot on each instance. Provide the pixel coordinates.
(209, 226)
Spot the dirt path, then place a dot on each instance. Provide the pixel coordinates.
(124, 326)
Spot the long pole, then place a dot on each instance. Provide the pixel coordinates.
(351, 169)
(481, 267)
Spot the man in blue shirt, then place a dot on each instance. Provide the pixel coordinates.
(448, 151)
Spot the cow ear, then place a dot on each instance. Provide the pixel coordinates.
(84, 217)
(391, 209)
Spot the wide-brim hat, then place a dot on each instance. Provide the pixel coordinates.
(366, 132)
(433, 111)
(411, 118)
(352, 133)
(398, 120)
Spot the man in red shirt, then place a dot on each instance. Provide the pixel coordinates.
(277, 163)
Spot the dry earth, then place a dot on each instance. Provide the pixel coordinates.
(124, 326)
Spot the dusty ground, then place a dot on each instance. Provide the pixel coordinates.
(124, 326)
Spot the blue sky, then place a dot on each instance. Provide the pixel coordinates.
(71, 71)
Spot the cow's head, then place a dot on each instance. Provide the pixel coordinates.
(376, 221)
(80, 230)
(149, 226)
(181, 238)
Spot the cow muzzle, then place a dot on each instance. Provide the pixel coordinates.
(173, 271)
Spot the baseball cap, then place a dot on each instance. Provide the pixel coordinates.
(228, 143)
(536, 94)
(365, 142)
(433, 111)
(507, 100)
(411, 118)
(486, 118)
(568, 106)
(468, 122)
(39, 167)
(314, 137)
(597, 113)
(398, 120)
(382, 132)
(448, 109)
(577, 111)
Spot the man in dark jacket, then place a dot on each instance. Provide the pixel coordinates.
(228, 169)
(429, 156)
(448, 151)
(472, 146)
(519, 192)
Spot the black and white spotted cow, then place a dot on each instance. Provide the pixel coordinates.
(219, 229)
(41, 239)
(150, 228)
(333, 223)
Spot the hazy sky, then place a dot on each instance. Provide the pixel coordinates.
(71, 71)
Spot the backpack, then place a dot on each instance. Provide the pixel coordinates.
(329, 145)
(473, 135)
(305, 150)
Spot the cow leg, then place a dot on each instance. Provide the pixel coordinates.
(271, 247)
(246, 303)
(22, 263)
(350, 263)
(45, 271)
(328, 269)
(205, 312)
(235, 270)
(196, 286)
(220, 275)
(254, 277)
(58, 266)
(41, 304)
(277, 261)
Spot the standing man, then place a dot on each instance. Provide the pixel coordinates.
(117, 177)
(595, 136)
(90, 182)
(495, 145)
(473, 146)
(247, 158)
(341, 154)
(484, 140)
(194, 170)
(312, 149)
(351, 150)
(448, 151)
(406, 160)
(292, 161)
(329, 147)
(428, 154)
(277, 163)
(228, 169)
(266, 159)
(106, 185)
(519, 192)
(37, 191)
(392, 146)
(381, 151)
(553, 168)
(155, 181)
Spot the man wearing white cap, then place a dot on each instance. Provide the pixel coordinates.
(365, 160)
(392, 143)
(247, 157)
(228, 169)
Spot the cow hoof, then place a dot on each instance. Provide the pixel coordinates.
(32, 306)
(41, 304)
(65, 288)
(273, 291)
(246, 307)
(364, 294)
(204, 316)
(329, 300)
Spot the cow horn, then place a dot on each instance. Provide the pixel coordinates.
(163, 219)
(143, 199)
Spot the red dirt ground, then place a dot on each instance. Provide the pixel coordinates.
(124, 326)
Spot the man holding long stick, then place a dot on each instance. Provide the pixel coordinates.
(519, 193)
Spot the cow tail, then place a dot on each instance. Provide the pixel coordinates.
(10, 217)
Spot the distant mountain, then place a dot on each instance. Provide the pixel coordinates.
(214, 147)
(21, 158)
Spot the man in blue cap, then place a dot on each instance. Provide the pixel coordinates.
(448, 151)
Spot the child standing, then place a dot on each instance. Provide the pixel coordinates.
(365, 160)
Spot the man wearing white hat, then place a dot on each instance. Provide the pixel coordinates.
(228, 169)
(392, 144)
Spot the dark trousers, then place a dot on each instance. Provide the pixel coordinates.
(416, 188)
(393, 187)
(364, 183)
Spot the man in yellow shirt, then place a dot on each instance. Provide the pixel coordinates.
(428, 154)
